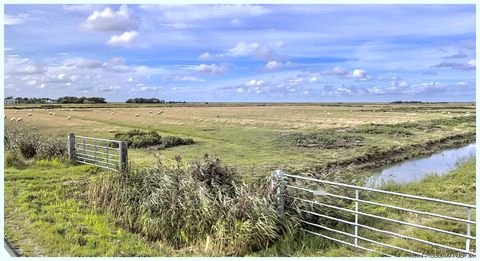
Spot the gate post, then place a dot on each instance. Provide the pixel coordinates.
(278, 183)
(123, 156)
(71, 146)
(467, 242)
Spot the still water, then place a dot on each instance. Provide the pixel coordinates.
(414, 169)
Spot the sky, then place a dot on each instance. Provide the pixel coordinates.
(242, 53)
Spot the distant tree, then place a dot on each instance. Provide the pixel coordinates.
(145, 100)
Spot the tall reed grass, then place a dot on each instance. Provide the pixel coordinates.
(201, 205)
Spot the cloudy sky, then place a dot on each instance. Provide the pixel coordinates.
(297, 53)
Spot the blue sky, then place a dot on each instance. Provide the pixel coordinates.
(260, 53)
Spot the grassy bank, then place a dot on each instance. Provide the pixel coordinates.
(458, 185)
(46, 215)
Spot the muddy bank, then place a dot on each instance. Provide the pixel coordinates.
(344, 169)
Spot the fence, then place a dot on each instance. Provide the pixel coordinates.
(104, 153)
(326, 215)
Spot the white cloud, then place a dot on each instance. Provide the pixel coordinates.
(314, 79)
(212, 68)
(257, 50)
(185, 78)
(31, 83)
(111, 88)
(359, 74)
(109, 20)
(375, 90)
(338, 71)
(255, 83)
(82, 8)
(471, 64)
(15, 64)
(264, 51)
(15, 19)
(206, 56)
(274, 65)
(125, 39)
(243, 49)
(191, 13)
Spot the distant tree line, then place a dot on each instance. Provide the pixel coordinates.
(73, 99)
(145, 100)
(66, 99)
(406, 102)
(151, 100)
(86, 100)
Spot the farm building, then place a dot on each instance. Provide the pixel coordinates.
(10, 101)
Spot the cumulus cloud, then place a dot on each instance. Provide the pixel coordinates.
(206, 56)
(108, 20)
(359, 74)
(125, 39)
(211, 68)
(256, 83)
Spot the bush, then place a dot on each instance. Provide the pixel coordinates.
(143, 139)
(32, 145)
(201, 204)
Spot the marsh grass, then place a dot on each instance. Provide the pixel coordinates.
(200, 205)
(326, 139)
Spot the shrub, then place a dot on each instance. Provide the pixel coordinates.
(143, 139)
(200, 204)
(32, 145)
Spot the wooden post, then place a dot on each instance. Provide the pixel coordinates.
(123, 156)
(71, 146)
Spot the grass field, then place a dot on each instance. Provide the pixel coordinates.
(47, 213)
(252, 138)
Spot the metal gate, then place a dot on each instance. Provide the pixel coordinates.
(103, 153)
(350, 215)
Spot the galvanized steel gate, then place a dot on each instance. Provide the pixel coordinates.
(316, 201)
(103, 153)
